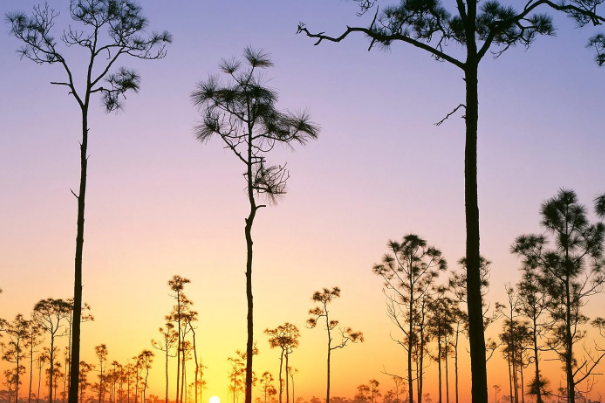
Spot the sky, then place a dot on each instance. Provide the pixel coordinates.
(161, 203)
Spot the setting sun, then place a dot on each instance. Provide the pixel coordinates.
(215, 399)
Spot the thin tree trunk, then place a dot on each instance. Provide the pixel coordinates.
(31, 368)
(475, 306)
(410, 343)
(179, 347)
(447, 372)
(287, 380)
(249, 297)
(197, 367)
(39, 380)
(522, 385)
(51, 369)
(293, 399)
(329, 352)
(77, 305)
(510, 379)
(166, 399)
(456, 361)
(281, 363)
(536, 358)
(439, 349)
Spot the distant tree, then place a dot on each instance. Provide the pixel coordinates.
(169, 338)
(399, 386)
(532, 304)
(266, 385)
(146, 359)
(125, 25)
(83, 383)
(408, 272)
(16, 349)
(479, 29)
(440, 326)
(571, 271)
(190, 319)
(237, 374)
(363, 393)
(284, 337)
(497, 389)
(324, 298)
(177, 285)
(101, 353)
(33, 341)
(42, 359)
(244, 115)
(292, 372)
(49, 314)
(374, 391)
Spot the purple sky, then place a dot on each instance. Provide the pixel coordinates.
(161, 203)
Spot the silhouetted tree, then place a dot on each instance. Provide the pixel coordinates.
(43, 357)
(374, 391)
(83, 383)
(532, 304)
(266, 385)
(49, 314)
(16, 348)
(292, 371)
(33, 341)
(85, 316)
(286, 338)
(324, 298)
(489, 28)
(571, 271)
(125, 26)
(169, 338)
(145, 359)
(243, 114)
(177, 285)
(101, 353)
(408, 272)
(440, 325)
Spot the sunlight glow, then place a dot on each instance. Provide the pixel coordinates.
(214, 399)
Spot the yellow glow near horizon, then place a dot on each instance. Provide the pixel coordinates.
(214, 399)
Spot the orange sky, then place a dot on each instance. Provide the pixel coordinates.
(160, 203)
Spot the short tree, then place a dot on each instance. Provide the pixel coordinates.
(49, 314)
(285, 337)
(16, 349)
(324, 298)
(408, 271)
(244, 115)
(479, 29)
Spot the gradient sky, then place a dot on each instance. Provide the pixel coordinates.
(160, 203)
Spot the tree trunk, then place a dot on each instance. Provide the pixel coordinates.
(510, 379)
(475, 306)
(456, 361)
(287, 380)
(329, 352)
(166, 400)
(39, 381)
(179, 347)
(281, 364)
(411, 344)
(249, 297)
(51, 369)
(439, 349)
(522, 383)
(31, 368)
(536, 358)
(447, 372)
(74, 372)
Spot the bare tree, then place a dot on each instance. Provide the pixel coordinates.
(324, 298)
(177, 285)
(125, 26)
(243, 114)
